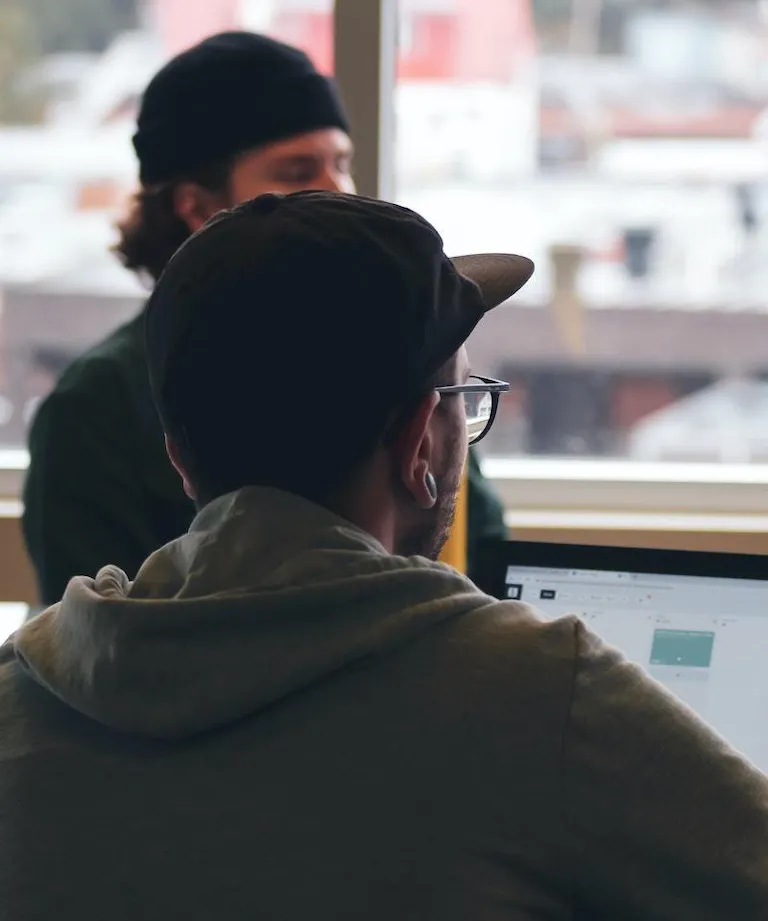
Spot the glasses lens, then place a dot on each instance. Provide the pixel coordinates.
(479, 407)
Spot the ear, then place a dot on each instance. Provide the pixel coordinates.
(413, 449)
(196, 205)
(173, 454)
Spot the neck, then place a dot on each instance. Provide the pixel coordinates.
(368, 504)
(377, 522)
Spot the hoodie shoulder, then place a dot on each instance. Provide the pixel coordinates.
(512, 670)
(508, 632)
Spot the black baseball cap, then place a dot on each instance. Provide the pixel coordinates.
(299, 325)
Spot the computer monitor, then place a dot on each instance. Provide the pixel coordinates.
(697, 622)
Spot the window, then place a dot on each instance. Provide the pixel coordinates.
(71, 77)
(623, 145)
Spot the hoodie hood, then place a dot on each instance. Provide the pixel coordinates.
(266, 595)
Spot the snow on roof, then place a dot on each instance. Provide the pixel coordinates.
(121, 73)
(728, 420)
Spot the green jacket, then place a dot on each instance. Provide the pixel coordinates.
(100, 488)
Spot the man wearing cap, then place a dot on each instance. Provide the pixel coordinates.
(287, 715)
(237, 115)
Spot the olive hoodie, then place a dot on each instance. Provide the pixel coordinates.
(279, 720)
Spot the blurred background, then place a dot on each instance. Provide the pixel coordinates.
(623, 144)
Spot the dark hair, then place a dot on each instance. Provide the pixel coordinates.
(152, 231)
(223, 472)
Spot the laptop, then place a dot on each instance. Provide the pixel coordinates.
(697, 622)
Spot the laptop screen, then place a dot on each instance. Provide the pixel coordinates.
(701, 633)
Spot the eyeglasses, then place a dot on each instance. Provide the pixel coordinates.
(481, 400)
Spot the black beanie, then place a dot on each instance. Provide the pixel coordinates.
(233, 91)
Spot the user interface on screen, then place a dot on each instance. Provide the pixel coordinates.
(706, 639)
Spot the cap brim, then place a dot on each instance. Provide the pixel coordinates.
(497, 275)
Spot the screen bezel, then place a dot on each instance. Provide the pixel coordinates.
(493, 558)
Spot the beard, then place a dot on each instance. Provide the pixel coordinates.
(429, 533)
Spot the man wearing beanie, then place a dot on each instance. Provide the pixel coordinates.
(232, 118)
